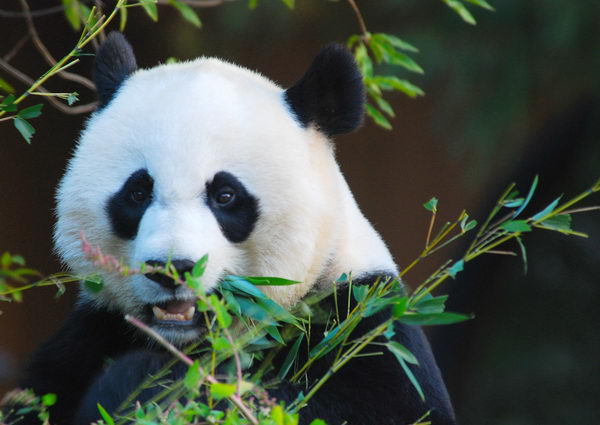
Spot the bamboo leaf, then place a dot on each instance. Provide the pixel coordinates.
(528, 197)
(434, 319)
(461, 10)
(26, 129)
(547, 210)
(289, 359)
(523, 254)
(187, 13)
(400, 350)
(516, 226)
(483, 4)
(378, 117)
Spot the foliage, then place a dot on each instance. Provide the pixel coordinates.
(245, 329)
(368, 48)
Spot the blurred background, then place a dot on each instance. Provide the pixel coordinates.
(514, 96)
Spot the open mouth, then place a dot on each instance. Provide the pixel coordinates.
(175, 312)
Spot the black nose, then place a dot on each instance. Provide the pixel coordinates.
(181, 266)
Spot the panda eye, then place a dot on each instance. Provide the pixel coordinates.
(138, 196)
(225, 196)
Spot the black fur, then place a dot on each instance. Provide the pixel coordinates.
(367, 391)
(67, 363)
(330, 94)
(124, 212)
(114, 62)
(237, 219)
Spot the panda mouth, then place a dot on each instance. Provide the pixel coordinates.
(175, 312)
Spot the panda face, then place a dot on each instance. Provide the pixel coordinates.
(202, 158)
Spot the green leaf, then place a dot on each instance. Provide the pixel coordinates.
(400, 350)
(252, 4)
(461, 10)
(187, 13)
(31, 112)
(395, 83)
(200, 266)
(365, 64)
(558, 222)
(238, 284)
(400, 307)
(528, 197)
(223, 317)
(431, 205)
(220, 390)
(431, 305)
(523, 254)
(410, 376)
(274, 333)
(49, 399)
(397, 42)
(26, 129)
(318, 422)
(277, 414)
(391, 55)
(193, 377)
(6, 260)
(482, 3)
(5, 86)
(150, 8)
(516, 226)
(93, 283)
(291, 356)
(384, 105)
(8, 104)
(359, 292)
(72, 98)
(71, 8)
(547, 210)
(456, 268)
(378, 117)
(221, 343)
(269, 281)
(105, 416)
(289, 3)
(434, 319)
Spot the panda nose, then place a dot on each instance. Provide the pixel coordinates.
(181, 266)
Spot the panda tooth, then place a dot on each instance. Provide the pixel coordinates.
(159, 313)
(189, 314)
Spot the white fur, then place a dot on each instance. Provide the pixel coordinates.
(184, 123)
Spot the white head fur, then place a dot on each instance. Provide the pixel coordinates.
(184, 123)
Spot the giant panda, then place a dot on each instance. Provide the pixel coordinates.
(206, 157)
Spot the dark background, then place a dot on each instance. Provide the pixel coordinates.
(513, 96)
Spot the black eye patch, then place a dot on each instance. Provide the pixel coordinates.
(235, 209)
(127, 206)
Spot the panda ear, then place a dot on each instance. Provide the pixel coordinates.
(114, 62)
(330, 94)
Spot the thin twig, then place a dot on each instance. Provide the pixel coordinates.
(72, 110)
(235, 399)
(359, 17)
(16, 48)
(41, 47)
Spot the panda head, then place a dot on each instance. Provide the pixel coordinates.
(205, 157)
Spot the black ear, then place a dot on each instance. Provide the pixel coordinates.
(330, 94)
(114, 62)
